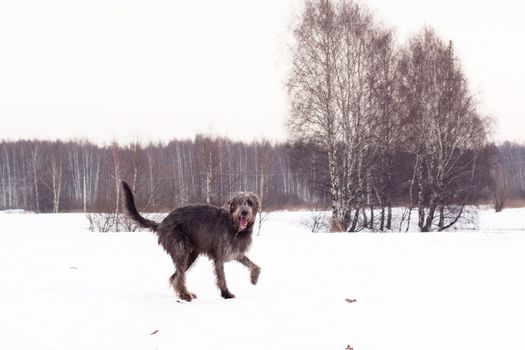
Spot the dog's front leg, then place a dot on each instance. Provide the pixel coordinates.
(255, 270)
(221, 279)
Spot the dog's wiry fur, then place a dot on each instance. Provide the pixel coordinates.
(223, 234)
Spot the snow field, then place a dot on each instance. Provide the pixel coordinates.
(64, 287)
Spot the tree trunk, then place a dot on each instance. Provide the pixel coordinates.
(421, 198)
(153, 202)
(84, 191)
(430, 215)
(369, 200)
(56, 179)
(337, 225)
(441, 222)
(35, 178)
(382, 220)
(355, 220)
(389, 214)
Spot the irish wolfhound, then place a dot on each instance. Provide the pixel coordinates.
(187, 232)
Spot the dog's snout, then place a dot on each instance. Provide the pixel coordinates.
(244, 213)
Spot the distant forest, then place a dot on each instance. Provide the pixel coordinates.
(45, 176)
(58, 176)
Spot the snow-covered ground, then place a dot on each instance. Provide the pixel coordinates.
(63, 287)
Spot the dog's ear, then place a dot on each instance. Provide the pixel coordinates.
(256, 203)
(230, 205)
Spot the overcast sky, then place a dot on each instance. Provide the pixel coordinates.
(157, 70)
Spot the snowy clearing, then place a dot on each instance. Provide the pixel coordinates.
(64, 287)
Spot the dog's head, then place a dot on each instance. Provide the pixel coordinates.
(243, 208)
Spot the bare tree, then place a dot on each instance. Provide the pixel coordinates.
(448, 131)
(208, 161)
(383, 78)
(335, 99)
(8, 186)
(354, 96)
(52, 176)
(501, 187)
(264, 161)
(34, 167)
(311, 87)
(84, 168)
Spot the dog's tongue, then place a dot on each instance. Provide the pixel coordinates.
(243, 222)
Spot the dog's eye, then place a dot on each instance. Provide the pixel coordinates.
(249, 202)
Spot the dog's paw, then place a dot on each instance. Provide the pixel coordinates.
(254, 275)
(187, 296)
(227, 295)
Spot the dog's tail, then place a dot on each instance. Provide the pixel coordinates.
(132, 212)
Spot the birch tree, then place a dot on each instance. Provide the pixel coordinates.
(263, 161)
(383, 78)
(447, 127)
(52, 176)
(330, 92)
(34, 167)
(311, 87)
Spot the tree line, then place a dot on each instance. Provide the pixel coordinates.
(79, 176)
(508, 175)
(57, 176)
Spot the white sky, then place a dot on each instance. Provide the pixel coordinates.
(157, 70)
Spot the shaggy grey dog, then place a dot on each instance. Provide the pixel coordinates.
(222, 234)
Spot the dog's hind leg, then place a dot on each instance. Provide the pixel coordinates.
(182, 260)
(218, 266)
(255, 270)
